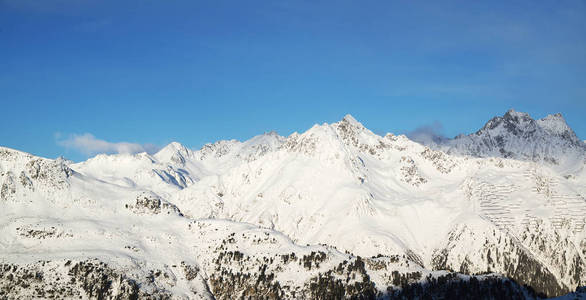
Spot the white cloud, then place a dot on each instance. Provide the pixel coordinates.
(88, 144)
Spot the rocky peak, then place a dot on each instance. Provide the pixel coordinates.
(349, 128)
(217, 149)
(517, 135)
(556, 125)
(348, 120)
(516, 115)
(522, 125)
(512, 122)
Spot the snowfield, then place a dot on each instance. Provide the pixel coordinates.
(336, 211)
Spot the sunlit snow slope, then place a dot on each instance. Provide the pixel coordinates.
(508, 199)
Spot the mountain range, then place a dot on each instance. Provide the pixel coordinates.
(334, 212)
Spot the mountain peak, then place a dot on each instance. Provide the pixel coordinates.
(513, 114)
(555, 118)
(556, 125)
(174, 151)
(175, 146)
(517, 135)
(350, 120)
(517, 118)
(513, 122)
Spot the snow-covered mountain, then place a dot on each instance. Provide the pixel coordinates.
(333, 211)
(516, 135)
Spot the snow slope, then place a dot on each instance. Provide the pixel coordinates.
(509, 199)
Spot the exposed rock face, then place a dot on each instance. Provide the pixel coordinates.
(149, 203)
(8, 188)
(55, 172)
(23, 175)
(410, 173)
(43, 232)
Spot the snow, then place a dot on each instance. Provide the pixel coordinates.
(337, 184)
(516, 135)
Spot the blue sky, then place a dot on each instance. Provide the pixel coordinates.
(151, 72)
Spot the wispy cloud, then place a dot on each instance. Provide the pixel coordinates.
(428, 134)
(88, 144)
